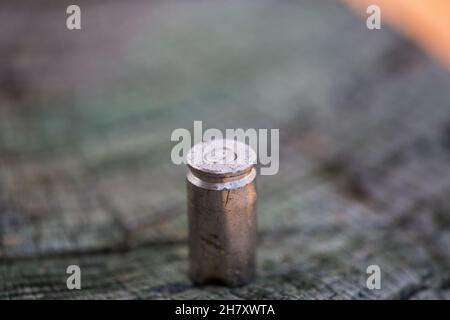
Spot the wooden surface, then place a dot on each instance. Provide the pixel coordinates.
(85, 170)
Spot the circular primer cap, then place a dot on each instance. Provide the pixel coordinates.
(221, 157)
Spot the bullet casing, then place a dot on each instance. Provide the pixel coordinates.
(222, 213)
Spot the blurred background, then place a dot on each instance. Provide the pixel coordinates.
(86, 118)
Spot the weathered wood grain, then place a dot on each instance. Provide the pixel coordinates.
(85, 170)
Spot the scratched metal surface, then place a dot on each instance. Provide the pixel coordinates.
(85, 170)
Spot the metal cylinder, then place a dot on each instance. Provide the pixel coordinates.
(222, 212)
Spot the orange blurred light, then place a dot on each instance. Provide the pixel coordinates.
(425, 21)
